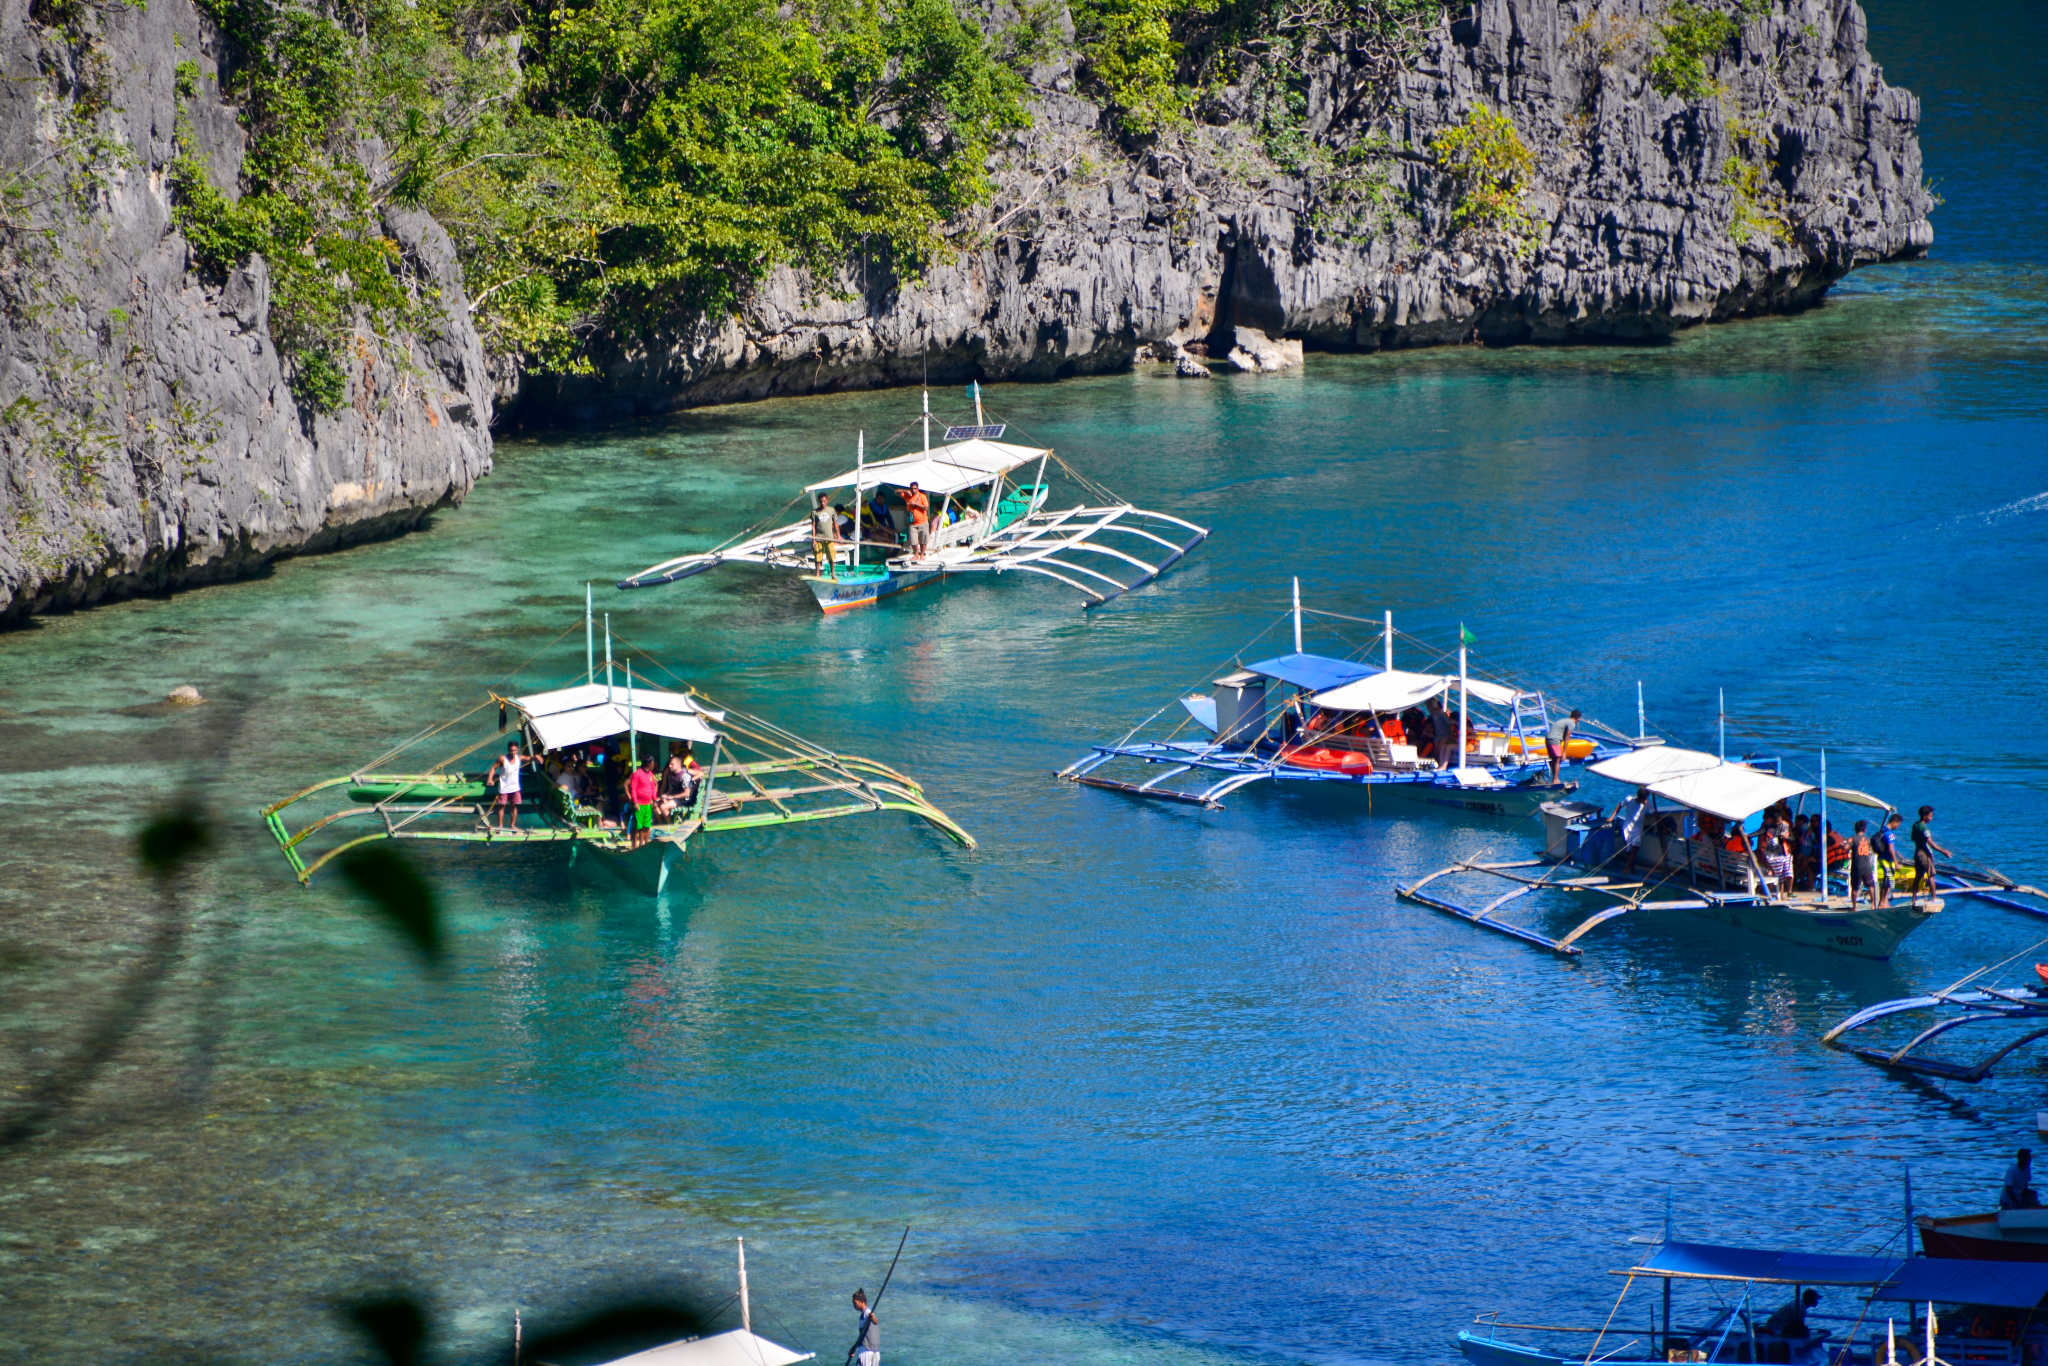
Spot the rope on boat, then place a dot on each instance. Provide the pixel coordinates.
(1610, 1317)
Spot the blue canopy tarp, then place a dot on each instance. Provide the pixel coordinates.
(1943, 1280)
(1946, 1280)
(1704, 1261)
(1314, 672)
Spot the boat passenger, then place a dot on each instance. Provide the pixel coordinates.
(2018, 1193)
(917, 506)
(641, 790)
(675, 784)
(1776, 848)
(1886, 843)
(846, 528)
(1862, 864)
(1838, 852)
(878, 515)
(1789, 1320)
(824, 532)
(1557, 740)
(505, 773)
(1924, 850)
(1443, 734)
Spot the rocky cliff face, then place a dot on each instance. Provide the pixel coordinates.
(1647, 213)
(148, 438)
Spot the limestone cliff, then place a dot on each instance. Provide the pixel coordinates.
(148, 437)
(1647, 213)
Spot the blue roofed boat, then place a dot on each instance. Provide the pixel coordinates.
(1871, 1311)
(1313, 718)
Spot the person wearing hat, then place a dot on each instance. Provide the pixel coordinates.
(867, 1349)
(1790, 1319)
(1924, 850)
(2018, 1191)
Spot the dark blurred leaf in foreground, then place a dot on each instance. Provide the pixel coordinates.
(169, 840)
(395, 1323)
(399, 894)
(618, 1329)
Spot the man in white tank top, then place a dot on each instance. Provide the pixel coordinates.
(506, 774)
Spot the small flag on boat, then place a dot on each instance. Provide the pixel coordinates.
(1465, 637)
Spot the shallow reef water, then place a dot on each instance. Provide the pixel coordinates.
(1150, 1084)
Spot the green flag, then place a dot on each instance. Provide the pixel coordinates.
(1465, 637)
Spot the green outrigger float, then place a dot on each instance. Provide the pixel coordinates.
(753, 775)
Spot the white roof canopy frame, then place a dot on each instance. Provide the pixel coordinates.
(1398, 690)
(941, 470)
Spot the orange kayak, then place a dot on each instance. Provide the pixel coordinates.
(1574, 748)
(1328, 760)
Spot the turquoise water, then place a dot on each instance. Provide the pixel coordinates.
(1150, 1084)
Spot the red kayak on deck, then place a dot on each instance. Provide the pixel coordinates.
(1347, 761)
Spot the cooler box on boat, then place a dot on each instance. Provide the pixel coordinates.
(1564, 825)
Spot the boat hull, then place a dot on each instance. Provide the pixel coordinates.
(1978, 1238)
(1512, 800)
(649, 869)
(1864, 933)
(840, 595)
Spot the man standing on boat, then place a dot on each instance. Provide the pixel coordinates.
(505, 773)
(1886, 843)
(918, 506)
(867, 1349)
(824, 532)
(1924, 850)
(641, 790)
(1790, 1319)
(1557, 741)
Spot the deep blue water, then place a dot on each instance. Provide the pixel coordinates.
(1150, 1084)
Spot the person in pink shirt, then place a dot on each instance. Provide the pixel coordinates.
(641, 789)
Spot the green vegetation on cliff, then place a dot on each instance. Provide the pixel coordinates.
(594, 162)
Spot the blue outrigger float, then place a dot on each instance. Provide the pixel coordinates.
(982, 521)
(1342, 723)
(1955, 1312)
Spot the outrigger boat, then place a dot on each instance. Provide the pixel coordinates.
(983, 521)
(1966, 1003)
(1342, 723)
(1681, 862)
(754, 775)
(1977, 1314)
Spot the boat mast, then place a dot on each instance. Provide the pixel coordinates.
(927, 422)
(632, 735)
(1390, 641)
(1297, 616)
(977, 403)
(1641, 732)
(1824, 829)
(1723, 694)
(860, 461)
(607, 656)
(1909, 1209)
(746, 1314)
(589, 639)
(1461, 695)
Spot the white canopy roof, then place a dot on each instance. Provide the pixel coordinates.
(1654, 764)
(591, 711)
(1729, 791)
(941, 470)
(1396, 690)
(737, 1348)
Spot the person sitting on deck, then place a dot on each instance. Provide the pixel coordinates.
(2017, 1193)
(1738, 839)
(1838, 852)
(1789, 1320)
(675, 784)
(878, 516)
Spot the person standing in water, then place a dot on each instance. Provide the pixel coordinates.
(867, 1351)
